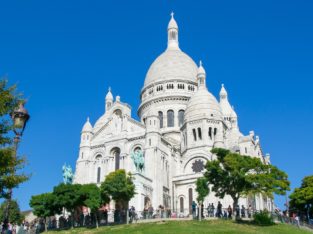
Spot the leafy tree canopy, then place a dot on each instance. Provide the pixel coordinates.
(304, 195)
(238, 175)
(15, 215)
(118, 185)
(9, 164)
(202, 189)
(45, 205)
(68, 196)
(91, 196)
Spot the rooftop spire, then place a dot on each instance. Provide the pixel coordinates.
(223, 93)
(201, 76)
(109, 95)
(172, 34)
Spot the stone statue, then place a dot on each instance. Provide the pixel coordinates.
(139, 161)
(67, 174)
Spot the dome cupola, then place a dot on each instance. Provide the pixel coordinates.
(87, 126)
(172, 34)
(227, 109)
(202, 104)
(108, 100)
(172, 64)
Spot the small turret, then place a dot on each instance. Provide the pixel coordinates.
(86, 134)
(152, 129)
(201, 76)
(172, 37)
(108, 100)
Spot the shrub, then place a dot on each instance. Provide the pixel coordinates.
(263, 218)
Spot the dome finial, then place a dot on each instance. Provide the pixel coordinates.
(88, 119)
(172, 14)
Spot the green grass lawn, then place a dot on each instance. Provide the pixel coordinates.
(190, 227)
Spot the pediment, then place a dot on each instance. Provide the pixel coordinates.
(118, 126)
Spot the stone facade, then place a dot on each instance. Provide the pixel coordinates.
(180, 122)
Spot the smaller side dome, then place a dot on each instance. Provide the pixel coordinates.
(109, 95)
(202, 104)
(87, 126)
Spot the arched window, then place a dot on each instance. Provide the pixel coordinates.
(118, 113)
(116, 154)
(210, 133)
(161, 119)
(170, 118)
(181, 117)
(98, 174)
(194, 134)
(215, 131)
(199, 134)
(181, 202)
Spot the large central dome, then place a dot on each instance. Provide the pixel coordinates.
(172, 64)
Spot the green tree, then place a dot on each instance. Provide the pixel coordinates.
(120, 187)
(238, 175)
(91, 198)
(10, 176)
(15, 215)
(68, 196)
(44, 206)
(203, 190)
(302, 198)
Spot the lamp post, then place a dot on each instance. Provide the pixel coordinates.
(20, 117)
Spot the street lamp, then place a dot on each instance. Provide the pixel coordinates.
(20, 117)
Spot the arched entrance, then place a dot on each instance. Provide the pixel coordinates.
(181, 205)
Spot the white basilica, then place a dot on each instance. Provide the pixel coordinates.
(166, 151)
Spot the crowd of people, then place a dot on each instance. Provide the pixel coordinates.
(220, 212)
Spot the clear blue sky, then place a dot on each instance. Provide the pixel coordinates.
(64, 54)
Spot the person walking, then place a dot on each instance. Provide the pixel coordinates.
(237, 211)
(230, 212)
(243, 211)
(193, 208)
(250, 211)
(297, 221)
(219, 209)
(209, 210)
